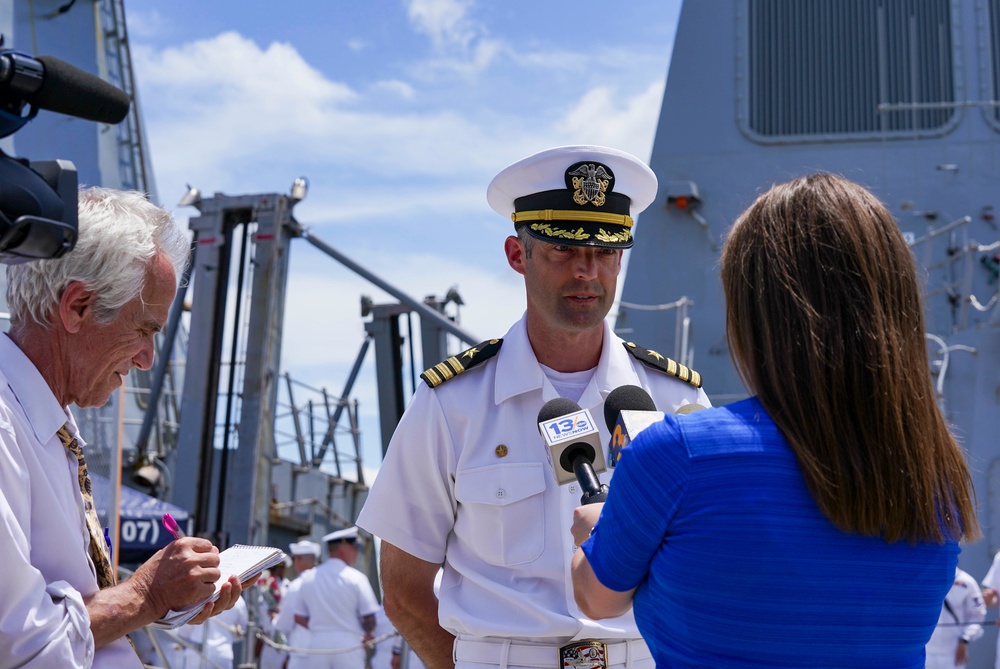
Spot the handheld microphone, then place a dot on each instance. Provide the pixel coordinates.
(53, 84)
(628, 410)
(575, 445)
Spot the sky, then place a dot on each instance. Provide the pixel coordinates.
(398, 112)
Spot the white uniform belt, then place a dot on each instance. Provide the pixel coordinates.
(539, 655)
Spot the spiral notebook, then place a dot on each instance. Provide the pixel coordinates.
(243, 561)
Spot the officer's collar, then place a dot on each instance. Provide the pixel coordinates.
(518, 370)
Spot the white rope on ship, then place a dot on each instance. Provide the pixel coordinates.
(945, 352)
(193, 646)
(657, 307)
(367, 645)
(978, 306)
(973, 300)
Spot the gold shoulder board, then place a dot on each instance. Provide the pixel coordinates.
(455, 365)
(663, 364)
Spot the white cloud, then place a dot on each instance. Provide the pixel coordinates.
(357, 44)
(469, 64)
(332, 333)
(462, 44)
(144, 24)
(223, 111)
(236, 71)
(603, 117)
(446, 22)
(395, 87)
(225, 114)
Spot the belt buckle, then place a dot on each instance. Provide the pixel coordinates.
(586, 654)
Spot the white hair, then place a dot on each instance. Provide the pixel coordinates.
(120, 233)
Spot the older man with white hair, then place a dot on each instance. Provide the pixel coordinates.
(79, 324)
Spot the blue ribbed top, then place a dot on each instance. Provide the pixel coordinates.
(736, 566)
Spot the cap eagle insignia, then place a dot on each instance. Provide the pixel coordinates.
(590, 182)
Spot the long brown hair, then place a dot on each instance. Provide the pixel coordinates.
(825, 325)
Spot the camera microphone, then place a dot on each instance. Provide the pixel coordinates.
(49, 83)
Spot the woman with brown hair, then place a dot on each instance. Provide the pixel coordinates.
(817, 522)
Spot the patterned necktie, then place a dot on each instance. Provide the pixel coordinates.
(99, 551)
(98, 547)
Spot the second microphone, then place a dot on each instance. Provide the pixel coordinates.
(574, 442)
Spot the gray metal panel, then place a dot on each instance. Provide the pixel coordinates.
(822, 69)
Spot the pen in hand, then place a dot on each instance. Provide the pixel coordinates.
(172, 526)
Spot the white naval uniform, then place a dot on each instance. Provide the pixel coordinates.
(270, 658)
(335, 597)
(215, 638)
(499, 523)
(992, 580)
(963, 604)
(296, 636)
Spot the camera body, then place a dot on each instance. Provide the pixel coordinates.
(38, 209)
(38, 199)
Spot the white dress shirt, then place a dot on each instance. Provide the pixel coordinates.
(495, 517)
(961, 612)
(44, 542)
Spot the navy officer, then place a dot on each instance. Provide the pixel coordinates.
(467, 483)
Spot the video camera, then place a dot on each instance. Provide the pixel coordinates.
(38, 199)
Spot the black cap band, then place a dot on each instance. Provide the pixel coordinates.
(587, 212)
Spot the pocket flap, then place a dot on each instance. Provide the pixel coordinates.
(500, 484)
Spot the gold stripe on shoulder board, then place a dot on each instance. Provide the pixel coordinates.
(657, 361)
(456, 364)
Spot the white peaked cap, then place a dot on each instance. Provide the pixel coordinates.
(340, 535)
(304, 548)
(582, 195)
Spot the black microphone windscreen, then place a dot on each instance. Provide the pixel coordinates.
(625, 398)
(560, 406)
(67, 89)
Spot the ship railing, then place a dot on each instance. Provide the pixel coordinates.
(310, 420)
(683, 351)
(956, 269)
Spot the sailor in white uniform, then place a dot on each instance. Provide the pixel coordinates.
(991, 594)
(305, 555)
(467, 482)
(958, 625)
(337, 604)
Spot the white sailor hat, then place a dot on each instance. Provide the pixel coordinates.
(579, 195)
(304, 548)
(349, 534)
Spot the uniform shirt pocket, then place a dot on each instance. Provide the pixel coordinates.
(502, 512)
